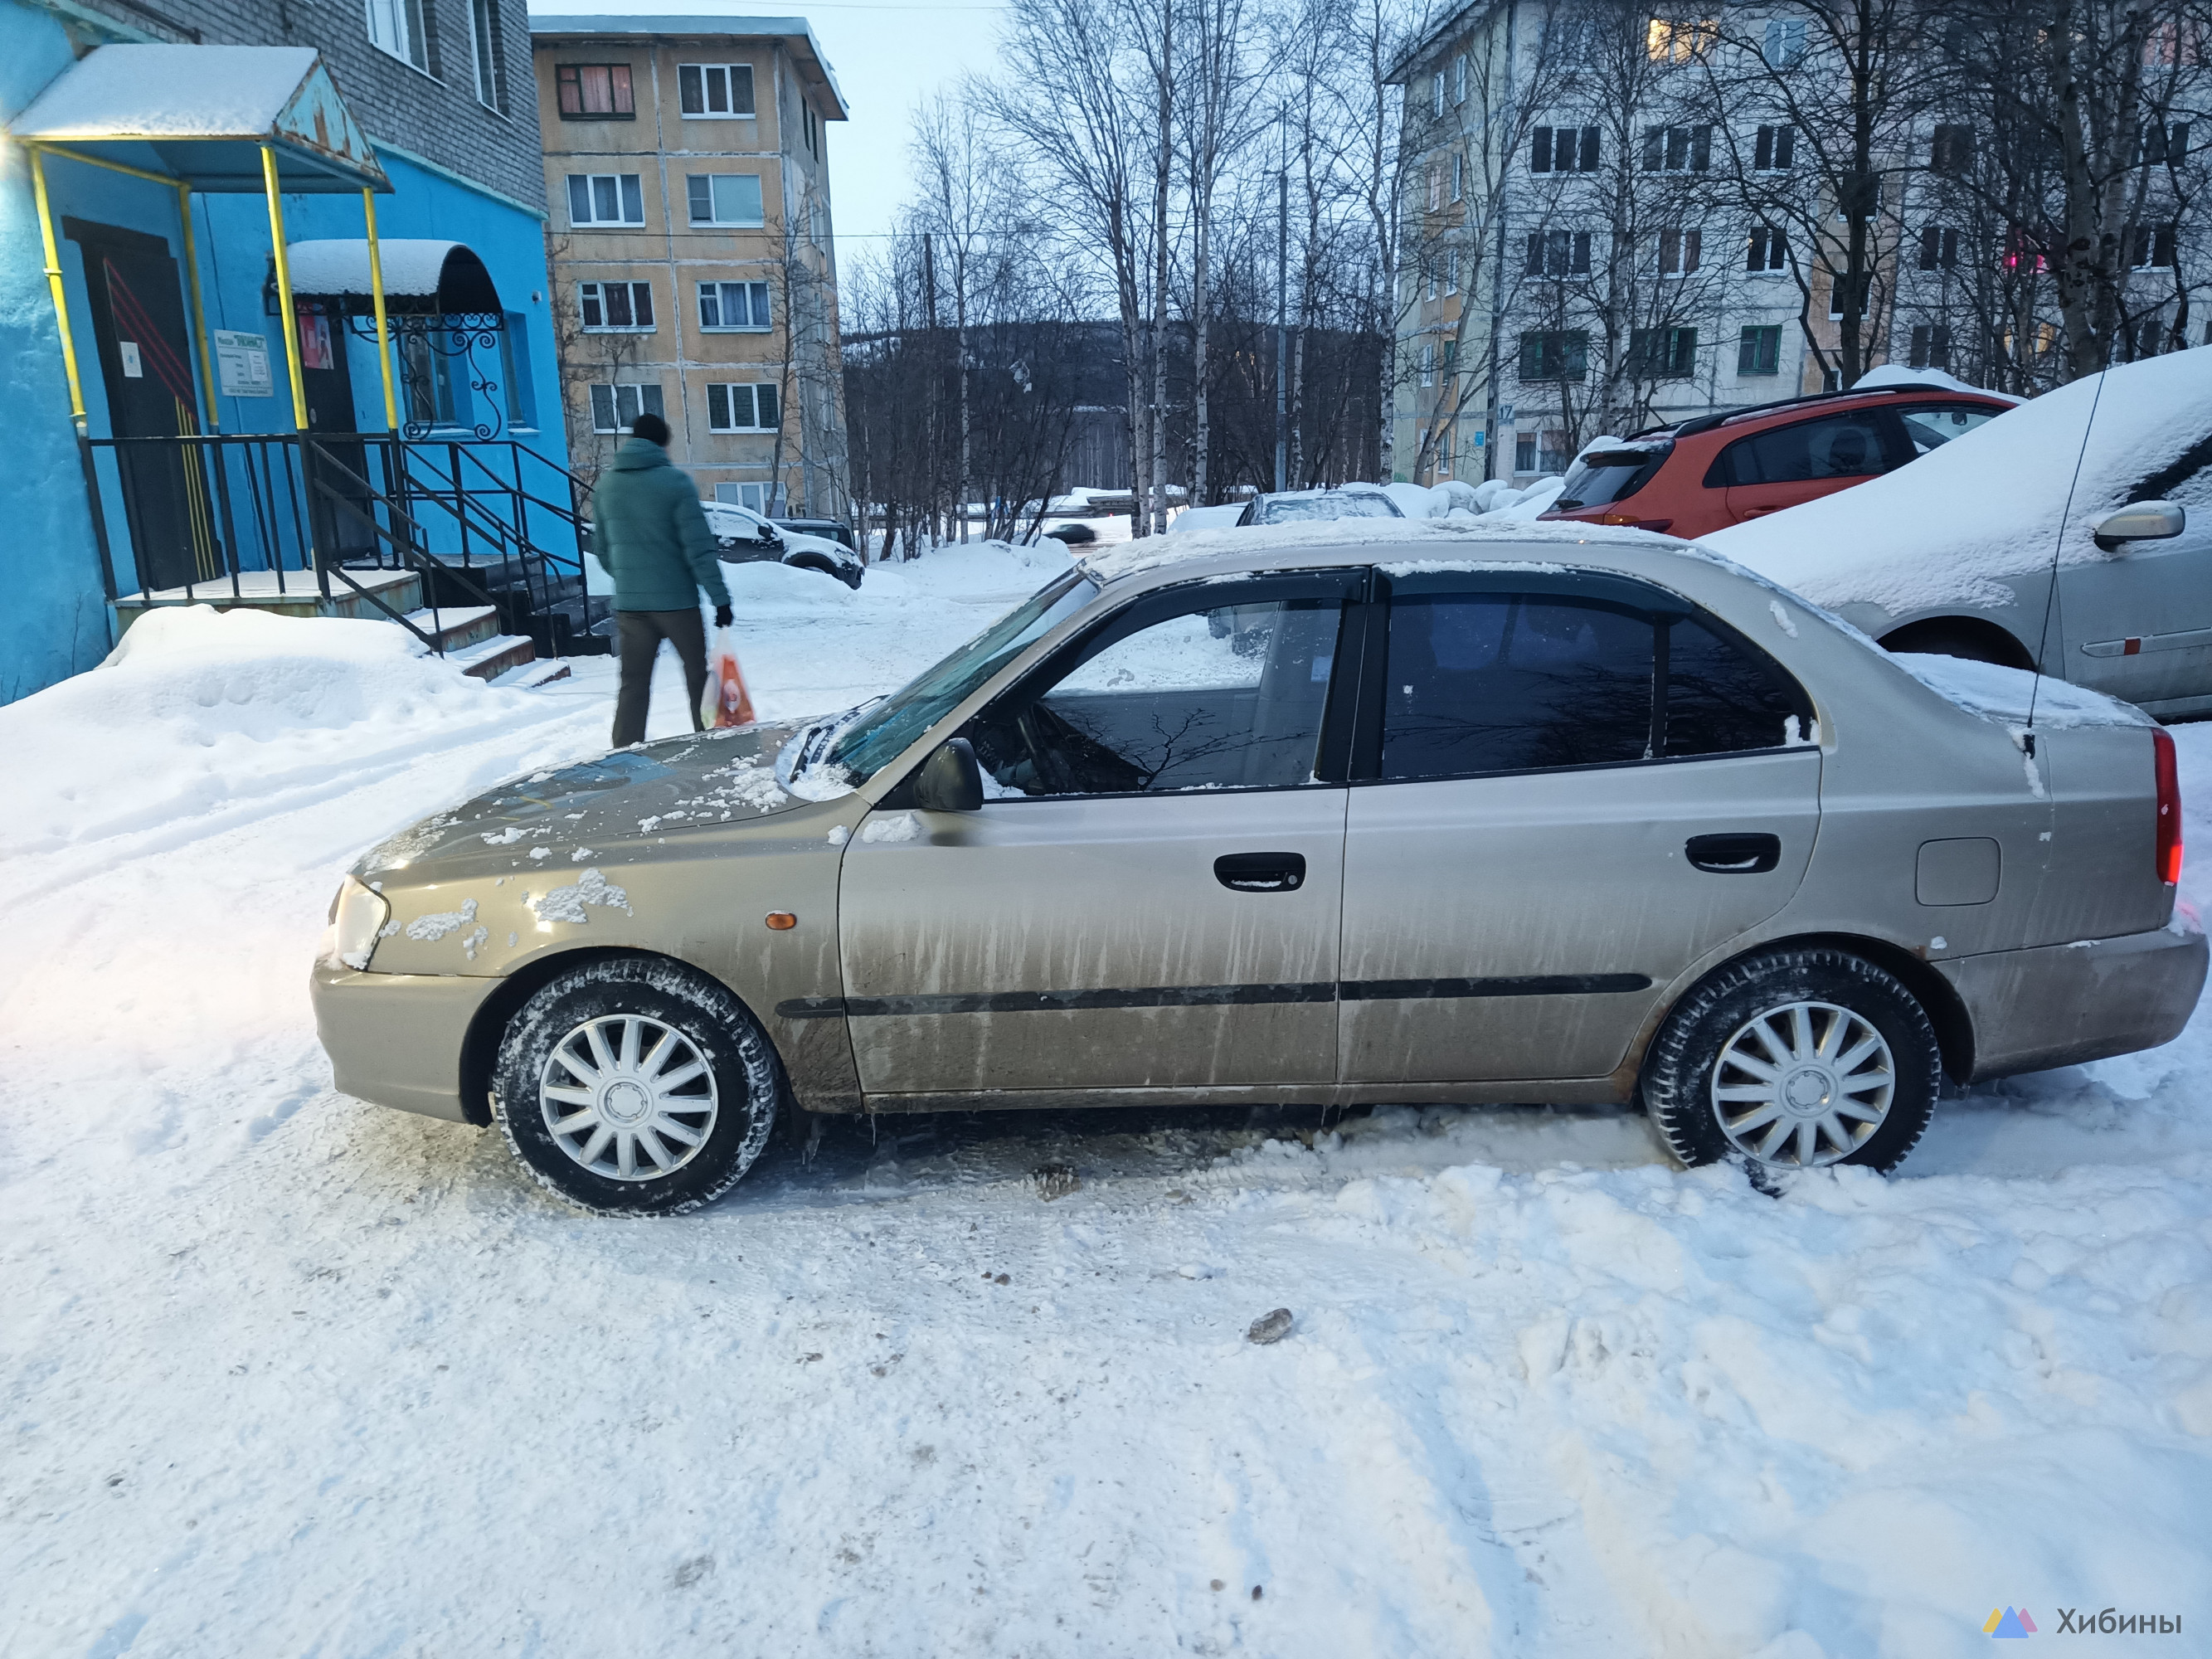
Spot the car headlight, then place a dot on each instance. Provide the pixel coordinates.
(358, 916)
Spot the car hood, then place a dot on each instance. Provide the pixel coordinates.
(627, 796)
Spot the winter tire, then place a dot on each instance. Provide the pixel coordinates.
(1795, 1060)
(632, 1086)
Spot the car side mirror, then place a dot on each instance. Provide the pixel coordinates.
(2141, 521)
(949, 781)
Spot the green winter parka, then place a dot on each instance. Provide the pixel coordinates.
(650, 534)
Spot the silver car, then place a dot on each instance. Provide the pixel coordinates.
(1480, 818)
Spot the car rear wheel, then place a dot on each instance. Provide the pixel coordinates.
(636, 1087)
(1795, 1060)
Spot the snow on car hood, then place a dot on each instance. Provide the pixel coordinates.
(1950, 527)
(677, 783)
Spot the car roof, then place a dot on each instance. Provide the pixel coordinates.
(1806, 404)
(1318, 545)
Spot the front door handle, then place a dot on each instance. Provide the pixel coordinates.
(1734, 854)
(1260, 872)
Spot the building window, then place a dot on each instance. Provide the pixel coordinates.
(1438, 98)
(396, 27)
(1785, 41)
(1931, 346)
(1428, 365)
(1760, 350)
(514, 364)
(725, 308)
(490, 54)
(1662, 354)
(615, 307)
(2163, 144)
(1564, 149)
(1770, 249)
(606, 198)
(1839, 291)
(1451, 276)
(1560, 354)
(1679, 251)
(1458, 176)
(2148, 336)
(1436, 276)
(1558, 252)
(1524, 451)
(741, 408)
(1459, 79)
(1953, 150)
(705, 91)
(594, 92)
(1678, 149)
(1774, 149)
(1667, 41)
(813, 131)
(725, 199)
(616, 408)
(753, 496)
(1939, 248)
(2150, 245)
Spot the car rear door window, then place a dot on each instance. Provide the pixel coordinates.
(1223, 688)
(1930, 426)
(1857, 445)
(1723, 697)
(1506, 682)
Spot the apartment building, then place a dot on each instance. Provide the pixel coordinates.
(686, 165)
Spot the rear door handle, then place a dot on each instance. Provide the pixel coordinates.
(1734, 854)
(1262, 872)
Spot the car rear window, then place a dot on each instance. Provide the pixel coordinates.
(1352, 504)
(1857, 445)
(1603, 476)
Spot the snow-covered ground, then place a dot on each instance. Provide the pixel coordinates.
(283, 1374)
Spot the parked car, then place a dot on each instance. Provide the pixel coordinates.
(2084, 544)
(1489, 818)
(1223, 517)
(1310, 505)
(746, 536)
(831, 530)
(1717, 470)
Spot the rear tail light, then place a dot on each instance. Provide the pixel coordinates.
(2169, 809)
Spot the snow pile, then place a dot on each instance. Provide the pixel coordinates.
(1494, 498)
(1897, 374)
(1953, 526)
(171, 91)
(2004, 693)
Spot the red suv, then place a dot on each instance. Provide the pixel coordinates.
(1719, 470)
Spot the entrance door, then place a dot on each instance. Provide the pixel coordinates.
(145, 363)
(1580, 790)
(1149, 897)
(345, 531)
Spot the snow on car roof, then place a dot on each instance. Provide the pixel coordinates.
(1946, 529)
(1411, 540)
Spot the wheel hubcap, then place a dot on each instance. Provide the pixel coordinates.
(627, 1097)
(1803, 1084)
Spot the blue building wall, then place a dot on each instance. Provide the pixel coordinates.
(54, 619)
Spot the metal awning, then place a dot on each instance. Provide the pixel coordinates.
(201, 114)
(420, 276)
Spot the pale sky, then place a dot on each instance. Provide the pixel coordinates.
(887, 56)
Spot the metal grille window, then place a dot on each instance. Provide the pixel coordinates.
(1679, 251)
(707, 91)
(1564, 149)
(396, 27)
(606, 198)
(1558, 252)
(724, 307)
(725, 198)
(616, 408)
(1774, 149)
(1560, 354)
(1678, 149)
(594, 92)
(741, 407)
(615, 307)
(1770, 250)
(1662, 354)
(1760, 350)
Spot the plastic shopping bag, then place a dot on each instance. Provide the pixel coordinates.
(727, 702)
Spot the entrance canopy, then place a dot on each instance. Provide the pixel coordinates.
(421, 276)
(201, 115)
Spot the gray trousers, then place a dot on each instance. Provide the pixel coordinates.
(641, 634)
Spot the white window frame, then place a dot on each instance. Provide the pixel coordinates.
(1459, 79)
(645, 398)
(484, 55)
(1451, 270)
(598, 297)
(729, 72)
(1428, 363)
(403, 35)
(591, 180)
(1783, 46)
(759, 295)
(753, 497)
(1458, 175)
(753, 400)
(1438, 99)
(691, 180)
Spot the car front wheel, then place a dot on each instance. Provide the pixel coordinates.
(1795, 1060)
(636, 1087)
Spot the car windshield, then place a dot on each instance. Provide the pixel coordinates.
(1606, 476)
(885, 730)
(1336, 504)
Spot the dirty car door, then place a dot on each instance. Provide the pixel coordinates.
(1579, 787)
(1149, 896)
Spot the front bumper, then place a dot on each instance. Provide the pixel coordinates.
(2060, 1004)
(396, 1039)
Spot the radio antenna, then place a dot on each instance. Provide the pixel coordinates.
(2057, 546)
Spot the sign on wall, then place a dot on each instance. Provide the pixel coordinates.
(242, 364)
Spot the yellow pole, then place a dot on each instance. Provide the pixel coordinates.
(54, 286)
(199, 308)
(284, 309)
(376, 288)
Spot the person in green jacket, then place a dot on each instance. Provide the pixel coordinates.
(650, 534)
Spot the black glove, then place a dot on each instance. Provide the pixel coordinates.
(722, 616)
